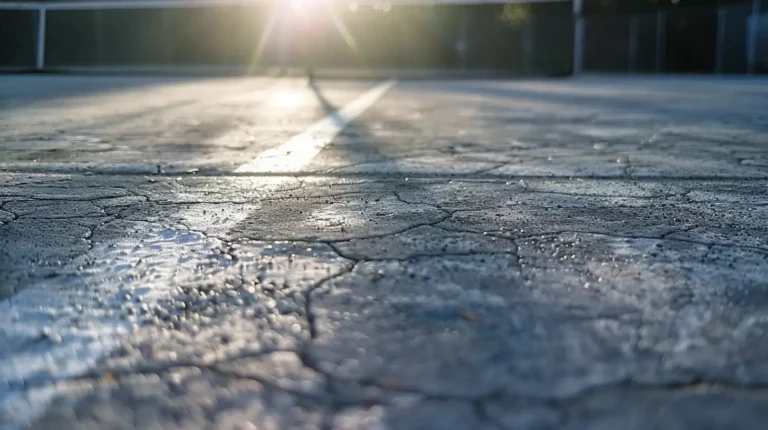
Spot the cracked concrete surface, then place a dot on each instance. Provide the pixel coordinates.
(580, 254)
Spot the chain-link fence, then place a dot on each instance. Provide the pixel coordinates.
(713, 39)
(517, 37)
(725, 36)
(18, 37)
(761, 50)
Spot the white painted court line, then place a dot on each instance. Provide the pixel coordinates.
(82, 332)
(291, 156)
(298, 152)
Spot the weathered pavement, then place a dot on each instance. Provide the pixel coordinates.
(575, 254)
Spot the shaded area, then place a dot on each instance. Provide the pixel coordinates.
(18, 39)
(626, 37)
(23, 91)
(686, 54)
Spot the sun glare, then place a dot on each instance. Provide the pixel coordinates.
(288, 99)
(306, 4)
(305, 17)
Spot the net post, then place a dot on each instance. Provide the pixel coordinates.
(99, 36)
(752, 36)
(578, 36)
(632, 50)
(661, 39)
(40, 54)
(722, 14)
(165, 27)
(528, 43)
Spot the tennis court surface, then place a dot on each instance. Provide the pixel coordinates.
(260, 253)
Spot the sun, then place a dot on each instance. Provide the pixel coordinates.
(306, 4)
(302, 17)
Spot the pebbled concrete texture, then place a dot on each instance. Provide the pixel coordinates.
(582, 254)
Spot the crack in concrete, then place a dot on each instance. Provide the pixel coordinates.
(380, 235)
(605, 196)
(14, 215)
(420, 175)
(497, 166)
(28, 197)
(341, 253)
(600, 233)
(334, 401)
(265, 382)
(402, 200)
(693, 385)
(479, 409)
(92, 230)
(164, 367)
(499, 235)
(666, 235)
(98, 201)
(260, 199)
(63, 217)
(310, 315)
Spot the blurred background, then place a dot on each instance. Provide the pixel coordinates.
(255, 36)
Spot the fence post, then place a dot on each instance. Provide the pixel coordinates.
(528, 42)
(282, 43)
(578, 37)
(40, 57)
(722, 15)
(661, 40)
(99, 35)
(752, 37)
(165, 26)
(464, 38)
(633, 29)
